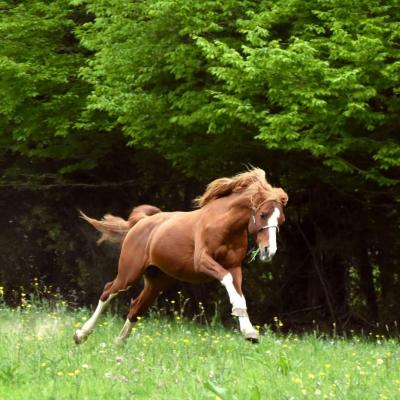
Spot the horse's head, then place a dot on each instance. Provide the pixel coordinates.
(264, 225)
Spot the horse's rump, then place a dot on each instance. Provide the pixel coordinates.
(140, 212)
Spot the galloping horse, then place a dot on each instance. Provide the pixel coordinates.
(207, 243)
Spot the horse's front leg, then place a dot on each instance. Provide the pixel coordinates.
(246, 326)
(232, 283)
(206, 264)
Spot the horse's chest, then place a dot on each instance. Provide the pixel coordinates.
(228, 256)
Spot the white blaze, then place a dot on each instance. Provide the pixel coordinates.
(272, 230)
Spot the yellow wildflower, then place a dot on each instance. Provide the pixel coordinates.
(297, 380)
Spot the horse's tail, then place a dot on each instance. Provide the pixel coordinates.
(114, 229)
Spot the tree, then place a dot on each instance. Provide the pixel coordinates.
(43, 97)
(318, 77)
(150, 76)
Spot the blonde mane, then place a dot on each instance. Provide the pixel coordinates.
(254, 178)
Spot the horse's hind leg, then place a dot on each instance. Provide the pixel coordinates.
(128, 274)
(154, 283)
(82, 334)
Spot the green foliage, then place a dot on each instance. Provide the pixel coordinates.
(150, 75)
(319, 77)
(42, 94)
(205, 84)
(38, 64)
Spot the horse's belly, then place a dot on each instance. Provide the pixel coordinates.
(177, 266)
(186, 275)
(174, 256)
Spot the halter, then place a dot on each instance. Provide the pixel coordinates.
(267, 227)
(263, 227)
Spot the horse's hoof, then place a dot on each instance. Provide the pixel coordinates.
(78, 338)
(119, 342)
(239, 312)
(253, 337)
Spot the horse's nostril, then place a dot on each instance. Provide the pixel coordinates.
(264, 253)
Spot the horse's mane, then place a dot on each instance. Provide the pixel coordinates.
(255, 177)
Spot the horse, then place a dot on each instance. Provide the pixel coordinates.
(209, 242)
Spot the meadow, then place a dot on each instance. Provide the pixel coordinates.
(173, 358)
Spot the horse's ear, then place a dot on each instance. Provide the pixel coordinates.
(252, 228)
(282, 196)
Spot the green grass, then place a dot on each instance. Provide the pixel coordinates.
(178, 359)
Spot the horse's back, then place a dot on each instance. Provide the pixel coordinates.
(156, 225)
(175, 231)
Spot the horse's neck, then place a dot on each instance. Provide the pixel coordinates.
(239, 210)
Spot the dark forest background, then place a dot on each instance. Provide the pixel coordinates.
(107, 104)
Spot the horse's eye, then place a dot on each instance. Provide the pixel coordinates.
(263, 215)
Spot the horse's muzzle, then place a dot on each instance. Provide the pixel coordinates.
(265, 254)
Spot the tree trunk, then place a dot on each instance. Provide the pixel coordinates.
(367, 281)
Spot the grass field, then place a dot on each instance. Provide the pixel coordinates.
(178, 359)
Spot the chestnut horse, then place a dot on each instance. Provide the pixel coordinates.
(207, 243)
